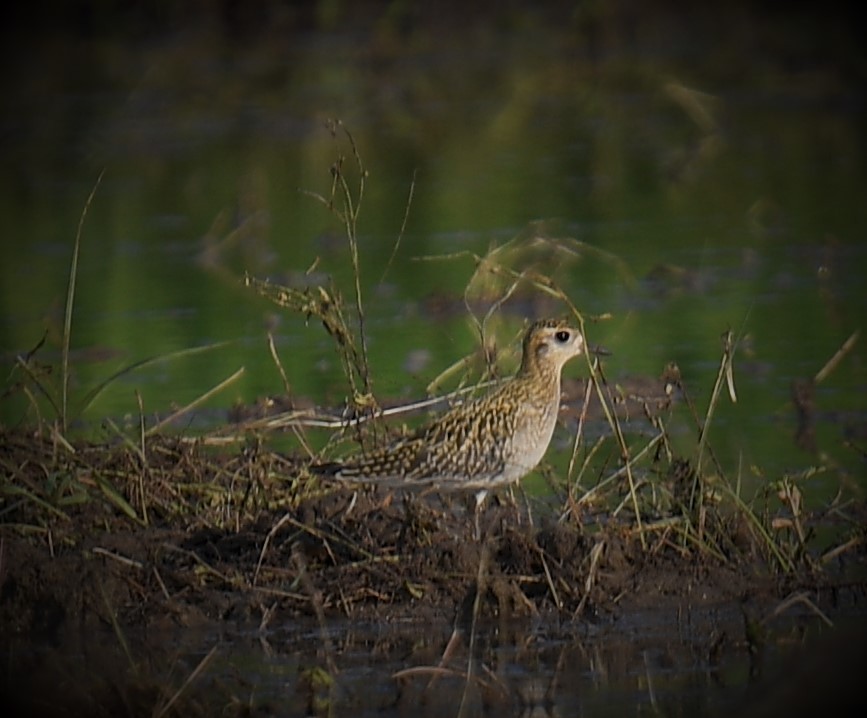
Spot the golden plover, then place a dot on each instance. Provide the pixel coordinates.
(488, 442)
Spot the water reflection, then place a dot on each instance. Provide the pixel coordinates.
(686, 663)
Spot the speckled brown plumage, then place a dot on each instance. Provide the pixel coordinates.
(490, 441)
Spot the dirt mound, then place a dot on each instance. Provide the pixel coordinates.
(94, 538)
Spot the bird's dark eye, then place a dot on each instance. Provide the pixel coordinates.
(562, 336)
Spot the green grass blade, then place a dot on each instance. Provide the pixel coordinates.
(10, 490)
(37, 382)
(70, 299)
(114, 496)
(193, 404)
(94, 393)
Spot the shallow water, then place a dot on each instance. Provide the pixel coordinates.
(679, 663)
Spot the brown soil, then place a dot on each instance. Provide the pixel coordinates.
(237, 538)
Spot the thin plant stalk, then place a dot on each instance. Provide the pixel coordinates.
(196, 402)
(349, 217)
(724, 376)
(70, 298)
(402, 228)
(197, 671)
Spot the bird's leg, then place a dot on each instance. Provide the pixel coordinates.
(480, 500)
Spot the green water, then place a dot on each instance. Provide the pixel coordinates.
(699, 174)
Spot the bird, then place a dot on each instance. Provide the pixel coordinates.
(488, 442)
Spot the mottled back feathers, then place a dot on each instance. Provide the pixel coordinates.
(493, 440)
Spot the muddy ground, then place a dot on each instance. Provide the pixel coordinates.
(95, 540)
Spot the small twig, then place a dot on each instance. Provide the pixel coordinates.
(595, 555)
(619, 473)
(273, 349)
(804, 598)
(115, 624)
(117, 557)
(349, 216)
(332, 421)
(831, 554)
(696, 497)
(402, 228)
(783, 561)
(190, 678)
(274, 529)
(199, 560)
(162, 584)
(196, 402)
(142, 457)
(585, 405)
(299, 433)
(557, 602)
(832, 363)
